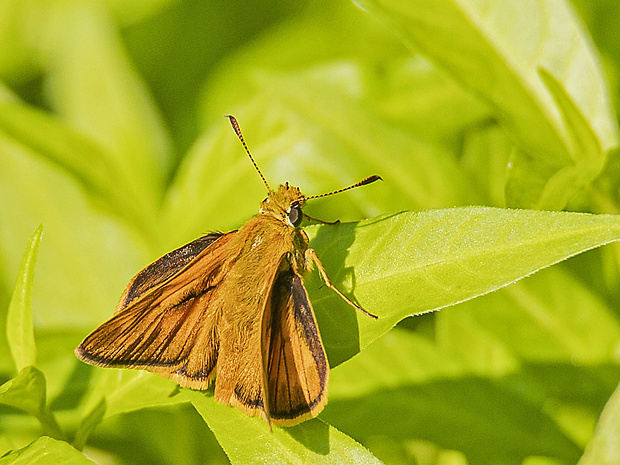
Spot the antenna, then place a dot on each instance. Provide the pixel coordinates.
(235, 126)
(363, 182)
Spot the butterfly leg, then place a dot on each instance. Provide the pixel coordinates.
(311, 254)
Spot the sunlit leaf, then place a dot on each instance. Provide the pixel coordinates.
(20, 332)
(412, 263)
(247, 440)
(27, 392)
(603, 449)
(46, 451)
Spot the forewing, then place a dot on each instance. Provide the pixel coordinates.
(163, 268)
(297, 368)
(171, 327)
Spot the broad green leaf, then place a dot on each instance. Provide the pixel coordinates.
(603, 449)
(20, 332)
(27, 392)
(247, 439)
(481, 44)
(411, 263)
(405, 388)
(46, 451)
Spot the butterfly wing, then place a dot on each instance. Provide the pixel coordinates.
(297, 370)
(166, 321)
(163, 268)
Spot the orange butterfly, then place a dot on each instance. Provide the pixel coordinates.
(232, 304)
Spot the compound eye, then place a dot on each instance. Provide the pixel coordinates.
(295, 216)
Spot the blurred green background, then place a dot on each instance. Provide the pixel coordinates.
(112, 136)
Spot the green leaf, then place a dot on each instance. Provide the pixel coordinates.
(411, 263)
(603, 448)
(46, 451)
(481, 45)
(247, 439)
(549, 186)
(20, 332)
(27, 392)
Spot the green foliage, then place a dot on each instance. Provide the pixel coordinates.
(46, 451)
(112, 136)
(20, 334)
(248, 440)
(603, 449)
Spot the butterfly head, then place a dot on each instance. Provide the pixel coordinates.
(285, 204)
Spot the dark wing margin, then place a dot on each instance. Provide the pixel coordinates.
(165, 267)
(297, 368)
(167, 320)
